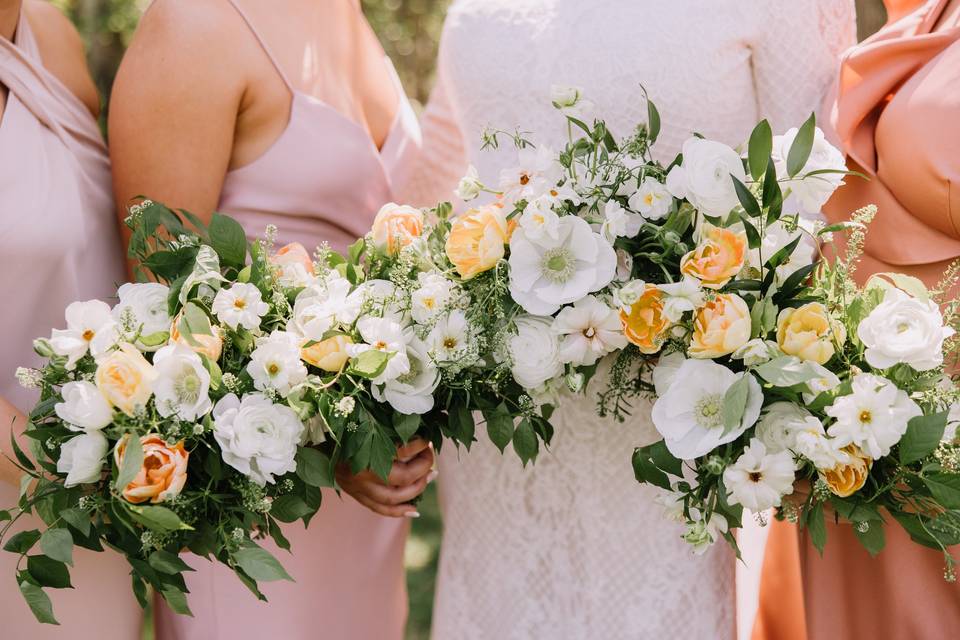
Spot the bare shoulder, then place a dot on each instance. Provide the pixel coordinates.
(62, 51)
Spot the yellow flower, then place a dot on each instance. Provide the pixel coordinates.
(718, 258)
(396, 226)
(721, 326)
(329, 355)
(644, 324)
(125, 379)
(476, 241)
(809, 333)
(208, 345)
(162, 473)
(846, 479)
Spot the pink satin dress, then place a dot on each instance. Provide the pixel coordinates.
(59, 243)
(323, 180)
(897, 114)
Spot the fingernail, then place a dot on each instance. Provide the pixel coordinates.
(412, 514)
(433, 476)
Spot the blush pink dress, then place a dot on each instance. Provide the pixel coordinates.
(896, 114)
(322, 180)
(58, 243)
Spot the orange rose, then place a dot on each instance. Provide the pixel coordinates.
(476, 241)
(162, 474)
(721, 326)
(809, 333)
(846, 479)
(644, 324)
(718, 258)
(396, 226)
(207, 345)
(329, 355)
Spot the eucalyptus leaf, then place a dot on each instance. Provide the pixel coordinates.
(370, 363)
(786, 371)
(735, 403)
(131, 461)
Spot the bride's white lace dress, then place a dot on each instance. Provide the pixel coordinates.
(574, 548)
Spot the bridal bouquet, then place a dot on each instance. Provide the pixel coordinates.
(212, 403)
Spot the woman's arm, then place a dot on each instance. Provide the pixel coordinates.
(11, 420)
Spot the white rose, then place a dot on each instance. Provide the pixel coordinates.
(256, 437)
(704, 176)
(90, 327)
(82, 457)
(904, 330)
(534, 351)
(182, 388)
(83, 408)
(276, 364)
(811, 192)
(758, 479)
(652, 199)
(412, 392)
(146, 302)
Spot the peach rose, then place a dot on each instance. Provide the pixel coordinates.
(162, 474)
(293, 254)
(396, 226)
(721, 326)
(477, 239)
(125, 379)
(718, 258)
(846, 479)
(644, 324)
(809, 333)
(329, 355)
(207, 345)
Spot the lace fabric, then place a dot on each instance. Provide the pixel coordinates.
(573, 547)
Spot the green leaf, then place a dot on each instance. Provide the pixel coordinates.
(244, 274)
(462, 425)
(406, 425)
(370, 363)
(771, 196)
(39, 602)
(817, 528)
(525, 442)
(314, 468)
(653, 121)
(260, 565)
(154, 339)
(383, 451)
(22, 542)
(249, 584)
(132, 461)
(759, 149)
(356, 250)
(5, 515)
(800, 149)
(48, 572)
(872, 538)
(945, 488)
(158, 519)
(909, 284)
(22, 458)
(58, 545)
(747, 201)
(177, 600)
(922, 437)
(786, 371)
(855, 510)
(499, 426)
(652, 464)
(289, 508)
(228, 240)
(735, 403)
(753, 237)
(168, 563)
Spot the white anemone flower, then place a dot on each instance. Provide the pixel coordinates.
(758, 480)
(182, 388)
(588, 331)
(411, 392)
(874, 416)
(537, 172)
(547, 273)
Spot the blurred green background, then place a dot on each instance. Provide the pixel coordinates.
(410, 31)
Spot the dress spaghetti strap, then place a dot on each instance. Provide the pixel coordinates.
(263, 44)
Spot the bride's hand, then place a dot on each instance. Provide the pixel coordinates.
(412, 471)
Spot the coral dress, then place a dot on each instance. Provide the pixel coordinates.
(59, 243)
(897, 117)
(323, 180)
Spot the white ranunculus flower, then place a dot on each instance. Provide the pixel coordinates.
(82, 457)
(147, 303)
(776, 236)
(652, 199)
(683, 296)
(704, 176)
(759, 479)
(276, 364)
(538, 171)
(326, 304)
(689, 416)
(534, 351)
(665, 372)
(257, 437)
(618, 222)
(588, 331)
(83, 408)
(240, 306)
(411, 392)
(469, 186)
(904, 330)
(811, 192)
(570, 101)
(539, 220)
(449, 339)
(547, 273)
(431, 297)
(779, 424)
(874, 416)
(757, 351)
(182, 388)
(389, 336)
(90, 327)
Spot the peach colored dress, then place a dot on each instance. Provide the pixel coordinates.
(322, 180)
(58, 243)
(896, 115)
